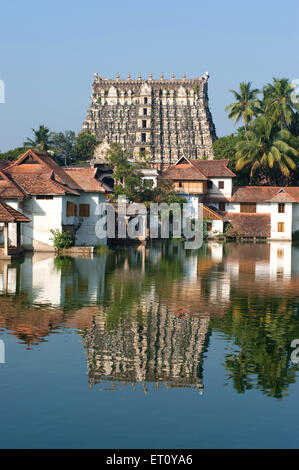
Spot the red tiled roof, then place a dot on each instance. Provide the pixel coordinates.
(282, 196)
(41, 175)
(9, 214)
(85, 179)
(212, 199)
(214, 168)
(249, 225)
(9, 189)
(184, 168)
(210, 214)
(266, 194)
(189, 173)
(292, 192)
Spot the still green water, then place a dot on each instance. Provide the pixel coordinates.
(151, 347)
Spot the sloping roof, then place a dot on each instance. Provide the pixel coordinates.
(212, 199)
(266, 194)
(282, 196)
(85, 179)
(183, 172)
(249, 225)
(184, 169)
(289, 194)
(9, 214)
(293, 191)
(210, 214)
(37, 173)
(9, 188)
(214, 168)
(3, 164)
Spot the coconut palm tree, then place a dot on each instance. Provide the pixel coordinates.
(42, 139)
(278, 102)
(268, 150)
(246, 106)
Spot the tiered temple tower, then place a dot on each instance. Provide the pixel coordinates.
(166, 118)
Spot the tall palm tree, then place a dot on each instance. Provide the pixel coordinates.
(42, 138)
(278, 102)
(269, 150)
(247, 104)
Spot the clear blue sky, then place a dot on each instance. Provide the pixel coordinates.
(50, 50)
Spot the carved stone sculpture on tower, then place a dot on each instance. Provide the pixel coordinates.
(167, 117)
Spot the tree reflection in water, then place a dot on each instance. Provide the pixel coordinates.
(146, 314)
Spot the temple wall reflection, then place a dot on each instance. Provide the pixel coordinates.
(145, 313)
(159, 348)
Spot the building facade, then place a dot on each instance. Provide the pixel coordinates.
(270, 212)
(164, 119)
(51, 198)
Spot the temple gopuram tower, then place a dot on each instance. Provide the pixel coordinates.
(166, 118)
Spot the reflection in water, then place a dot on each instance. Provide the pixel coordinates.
(152, 345)
(146, 314)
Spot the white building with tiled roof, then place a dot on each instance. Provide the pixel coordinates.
(251, 211)
(52, 198)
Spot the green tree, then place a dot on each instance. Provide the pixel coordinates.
(294, 125)
(42, 139)
(63, 145)
(85, 146)
(127, 175)
(262, 326)
(13, 154)
(129, 182)
(246, 105)
(268, 151)
(165, 192)
(61, 239)
(277, 101)
(225, 147)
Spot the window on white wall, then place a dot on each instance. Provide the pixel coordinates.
(281, 227)
(281, 208)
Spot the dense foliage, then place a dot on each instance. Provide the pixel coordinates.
(85, 146)
(267, 150)
(13, 154)
(42, 139)
(128, 180)
(64, 147)
(61, 239)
